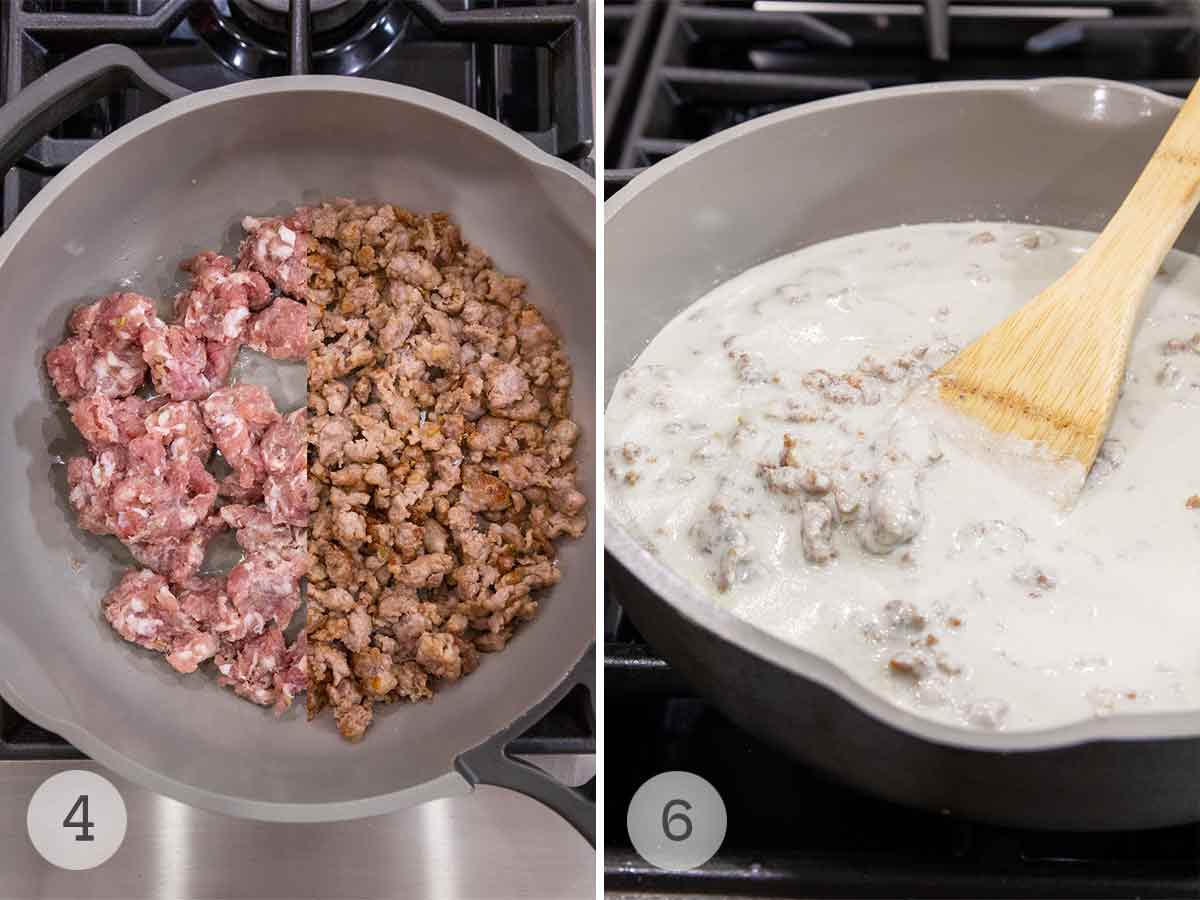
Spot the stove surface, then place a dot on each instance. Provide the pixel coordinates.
(523, 63)
(678, 71)
(493, 844)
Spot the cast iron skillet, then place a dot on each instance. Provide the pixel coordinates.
(1060, 152)
(173, 182)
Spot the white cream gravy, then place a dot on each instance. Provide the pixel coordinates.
(761, 447)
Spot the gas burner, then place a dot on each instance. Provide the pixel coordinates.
(251, 36)
(324, 14)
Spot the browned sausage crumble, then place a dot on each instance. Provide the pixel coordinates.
(440, 452)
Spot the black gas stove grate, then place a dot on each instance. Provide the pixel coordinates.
(793, 833)
(525, 63)
(687, 69)
(522, 62)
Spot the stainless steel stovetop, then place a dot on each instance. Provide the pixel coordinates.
(493, 844)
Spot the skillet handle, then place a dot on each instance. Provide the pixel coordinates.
(491, 763)
(66, 89)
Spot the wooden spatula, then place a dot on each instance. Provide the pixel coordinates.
(1052, 372)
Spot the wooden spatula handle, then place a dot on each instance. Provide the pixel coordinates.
(1051, 373)
(1131, 249)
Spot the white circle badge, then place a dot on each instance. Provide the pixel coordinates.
(76, 820)
(676, 821)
